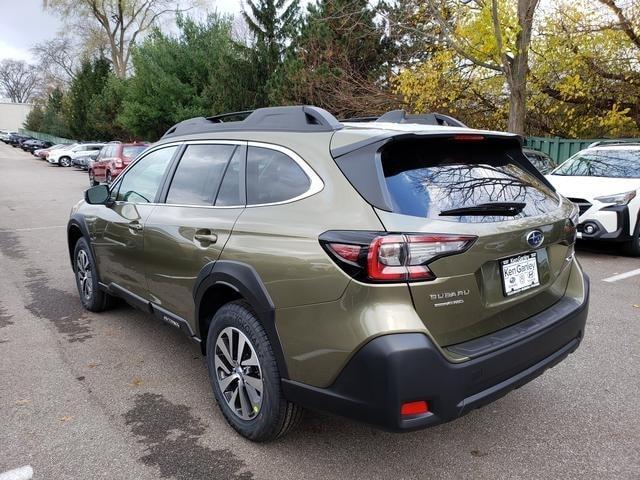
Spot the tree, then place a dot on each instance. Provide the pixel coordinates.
(58, 60)
(585, 71)
(490, 36)
(34, 118)
(495, 36)
(118, 23)
(200, 71)
(53, 121)
(338, 61)
(105, 109)
(18, 80)
(273, 24)
(89, 82)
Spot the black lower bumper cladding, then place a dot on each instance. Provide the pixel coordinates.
(621, 234)
(394, 369)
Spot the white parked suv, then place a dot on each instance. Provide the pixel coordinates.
(64, 157)
(604, 182)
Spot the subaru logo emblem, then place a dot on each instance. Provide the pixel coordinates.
(535, 238)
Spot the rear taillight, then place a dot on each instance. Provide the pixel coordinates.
(391, 257)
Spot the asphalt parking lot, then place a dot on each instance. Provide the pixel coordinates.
(120, 395)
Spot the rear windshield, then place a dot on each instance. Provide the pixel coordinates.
(428, 178)
(133, 151)
(602, 163)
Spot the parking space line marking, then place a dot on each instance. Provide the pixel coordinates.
(22, 473)
(622, 276)
(28, 229)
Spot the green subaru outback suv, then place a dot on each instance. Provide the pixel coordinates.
(400, 271)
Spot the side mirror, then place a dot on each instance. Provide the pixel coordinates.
(98, 195)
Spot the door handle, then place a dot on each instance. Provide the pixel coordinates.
(135, 226)
(205, 236)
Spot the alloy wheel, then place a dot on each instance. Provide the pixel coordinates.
(238, 373)
(83, 271)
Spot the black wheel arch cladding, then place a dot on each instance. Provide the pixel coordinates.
(245, 280)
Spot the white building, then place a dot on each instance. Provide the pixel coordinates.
(13, 115)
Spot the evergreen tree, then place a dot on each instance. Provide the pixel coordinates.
(200, 72)
(88, 83)
(54, 121)
(273, 24)
(34, 119)
(338, 62)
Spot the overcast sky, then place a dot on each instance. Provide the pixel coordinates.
(23, 23)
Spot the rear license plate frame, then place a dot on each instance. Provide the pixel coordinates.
(523, 259)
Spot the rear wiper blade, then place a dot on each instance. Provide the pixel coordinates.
(509, 209)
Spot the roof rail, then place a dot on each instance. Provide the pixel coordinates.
(227, 117)
(300, 118)
(400, 116)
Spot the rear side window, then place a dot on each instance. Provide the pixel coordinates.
(273, 177)
(427, 179)
(198, 175)
(132, 151)
(230, 193)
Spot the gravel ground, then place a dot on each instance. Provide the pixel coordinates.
(120, 395)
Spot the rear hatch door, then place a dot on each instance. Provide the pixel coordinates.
(484, 187)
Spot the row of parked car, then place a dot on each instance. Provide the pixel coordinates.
(25, 142)
(103, 161)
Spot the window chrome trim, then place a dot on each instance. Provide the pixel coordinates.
(315, 182)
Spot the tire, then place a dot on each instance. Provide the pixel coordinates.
(64, 162)
(261, 417)
(109, 179)
(92, 179)
(91, 296)
(632, 247)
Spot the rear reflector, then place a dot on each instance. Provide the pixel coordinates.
(347, 252)
(414, 408)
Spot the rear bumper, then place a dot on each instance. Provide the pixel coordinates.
(397, 368)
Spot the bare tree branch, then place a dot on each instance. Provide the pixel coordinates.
(18, 80)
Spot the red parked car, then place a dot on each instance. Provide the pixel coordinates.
(112, 159)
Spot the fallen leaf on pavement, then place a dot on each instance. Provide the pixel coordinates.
(136, 381)
(23, 402)
(66, 418)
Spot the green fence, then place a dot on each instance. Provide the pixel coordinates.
(559, 149)
(45, 137)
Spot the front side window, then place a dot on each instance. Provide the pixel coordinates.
(615, 163)
(198, 175)
(142, 181)
(273, 177)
